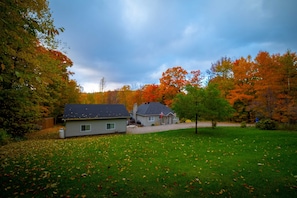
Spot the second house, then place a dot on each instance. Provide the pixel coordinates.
(154, 113)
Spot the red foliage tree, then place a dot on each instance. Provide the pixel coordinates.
(172, 82)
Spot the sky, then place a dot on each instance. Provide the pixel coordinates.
(131, 42)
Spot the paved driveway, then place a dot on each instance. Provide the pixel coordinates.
(152, 129)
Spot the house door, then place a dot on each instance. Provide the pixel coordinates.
(170, 120)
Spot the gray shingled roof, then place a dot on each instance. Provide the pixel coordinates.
(94, 111)
(153, 108)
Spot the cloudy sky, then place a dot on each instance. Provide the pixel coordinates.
(131, 42)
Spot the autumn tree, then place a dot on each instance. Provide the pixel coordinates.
(151, 93)
(275, 87)
(267, 86)
(221, 73)
(287, 111)
(173, 80)
(91, 98)
(125, 95)
(111, 97)
(99, 98)
(137, 97)
(56, 83)
(195, 78)
(28, 66)
(263, 87)
(243, 93)
(83, 98)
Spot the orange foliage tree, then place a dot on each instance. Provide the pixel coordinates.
(276, 86)
(174, 80)
(243, 92)
(288, 96)
(129, 97)
(151, 93)
(136, 98)
(265, 87)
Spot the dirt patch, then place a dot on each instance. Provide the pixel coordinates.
(49, 133)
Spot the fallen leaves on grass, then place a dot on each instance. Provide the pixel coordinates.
(140, 164)
(249, 187)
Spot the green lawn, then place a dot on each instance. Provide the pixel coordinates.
(227, 162)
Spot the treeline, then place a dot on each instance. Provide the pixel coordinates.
(172, 82)
(263, 87)
(34, 75)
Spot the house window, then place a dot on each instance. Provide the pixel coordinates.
(85, 128)
(151, 118)
(110, 126)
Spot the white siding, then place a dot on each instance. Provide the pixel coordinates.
(73, 128)
(146, 121)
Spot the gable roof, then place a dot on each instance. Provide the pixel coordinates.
(94, 111)
(153, 108)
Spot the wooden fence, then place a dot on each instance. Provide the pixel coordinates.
(46, 123)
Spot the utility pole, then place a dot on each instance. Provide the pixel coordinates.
(196, 131)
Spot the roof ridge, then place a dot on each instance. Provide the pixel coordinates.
(95, 111)
(153, 108)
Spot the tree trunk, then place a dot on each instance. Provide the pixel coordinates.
(196, 130)
(213, 124)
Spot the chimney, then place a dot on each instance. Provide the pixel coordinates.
(134, 111)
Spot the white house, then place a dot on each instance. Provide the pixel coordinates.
(154, 113)
(94, 119)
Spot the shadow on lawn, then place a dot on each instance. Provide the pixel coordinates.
(218, 132)
(53, 134)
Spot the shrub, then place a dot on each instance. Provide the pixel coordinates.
(213, 124)
(182, 120)
(243, 124)
(266, 124)
(286, 126)
(4, 137)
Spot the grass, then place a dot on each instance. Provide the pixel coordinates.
(228, 162)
